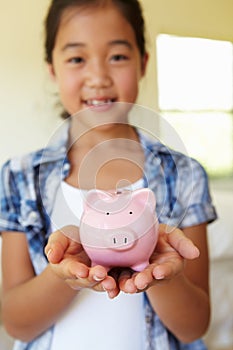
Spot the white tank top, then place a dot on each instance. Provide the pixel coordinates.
(93, 321)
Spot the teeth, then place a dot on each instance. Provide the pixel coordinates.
(98, 102)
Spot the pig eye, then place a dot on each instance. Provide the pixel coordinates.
(130, 212)
(107, 213)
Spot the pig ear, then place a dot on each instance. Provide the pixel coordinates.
(146, 196)
(94, 196)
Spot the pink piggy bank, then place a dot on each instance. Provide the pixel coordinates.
(119, 229)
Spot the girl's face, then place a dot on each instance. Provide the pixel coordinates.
(96, 60)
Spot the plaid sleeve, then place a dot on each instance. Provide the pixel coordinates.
(195, 197)
(9, 201)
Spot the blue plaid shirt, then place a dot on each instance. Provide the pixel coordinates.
(28, 187)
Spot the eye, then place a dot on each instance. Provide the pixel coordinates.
(107, 213)
(76, 60)
(130, 212)
(119, 57)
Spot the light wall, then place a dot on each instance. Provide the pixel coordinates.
(196, 18)
(26, 117)
(26, 109)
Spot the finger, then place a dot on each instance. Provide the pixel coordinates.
(75, 284)
(144, 278)
(168, 270)
(81, 283)
(126, 282)
(69, 269)
(123, 278)
(107, 285)
(97, 273)
(183, 245)
(77, 269)
(113, 293)
(110, 286)
(56, 246)
(177, 239)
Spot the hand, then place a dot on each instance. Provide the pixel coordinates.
(167, 261)
(69, 261)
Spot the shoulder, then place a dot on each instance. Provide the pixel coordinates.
(18, 172)
(23, 163)
(170, 160)
(180, 183)
(17, 176)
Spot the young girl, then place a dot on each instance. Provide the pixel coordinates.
(52, 298)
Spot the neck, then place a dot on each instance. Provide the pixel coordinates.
(82, 138)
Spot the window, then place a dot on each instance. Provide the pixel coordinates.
(195, 83)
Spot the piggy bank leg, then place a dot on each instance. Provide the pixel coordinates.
(140, 266)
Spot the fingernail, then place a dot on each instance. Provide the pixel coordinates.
(160, 277)
(197, 252)
(111, 295)
(143, 287)
(49, 252)
(98, 279)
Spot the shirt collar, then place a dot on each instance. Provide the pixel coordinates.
(56, 148)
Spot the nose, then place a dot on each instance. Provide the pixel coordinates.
(97, 75)
(121, 239)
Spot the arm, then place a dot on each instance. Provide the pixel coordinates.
(177, 288)
(41, 299)
(183, 304)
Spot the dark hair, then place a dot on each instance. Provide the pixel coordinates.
(130, 9)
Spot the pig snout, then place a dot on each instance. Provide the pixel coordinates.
(121, 240)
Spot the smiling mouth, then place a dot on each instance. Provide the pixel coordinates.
(99, 103)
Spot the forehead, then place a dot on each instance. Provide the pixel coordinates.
(94, 23)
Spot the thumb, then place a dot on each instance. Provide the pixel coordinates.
(56, 247)
(183, 245)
